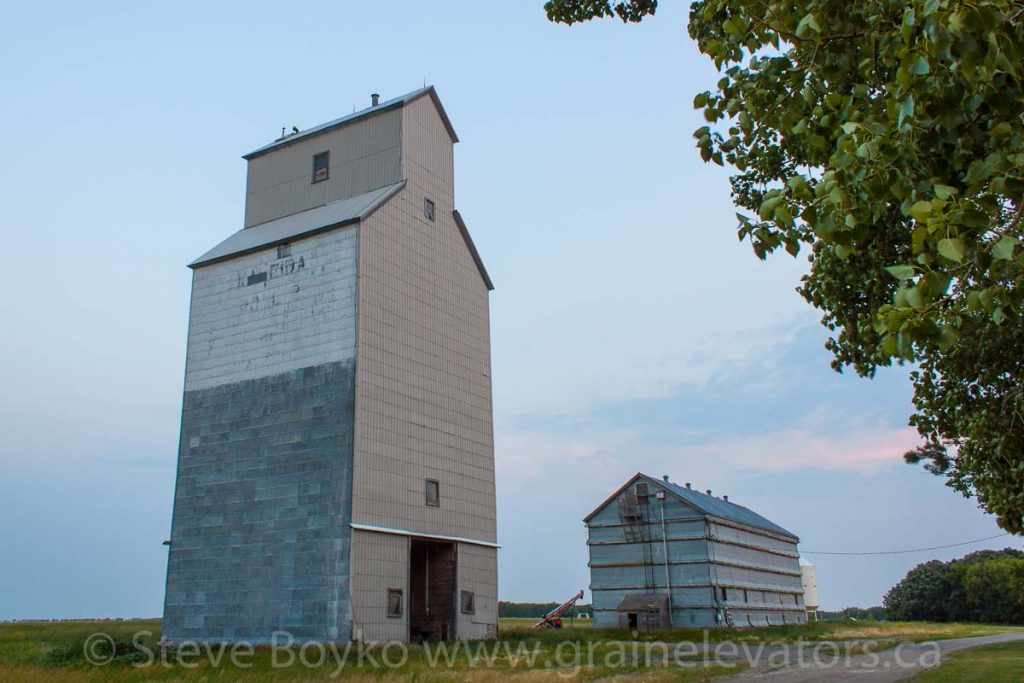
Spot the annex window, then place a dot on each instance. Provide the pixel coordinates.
(428, 209)
(284, 250)
(725, 593)
(321, 166)
(394, 602)
(433, 493)
(641, 492)
(468, 602)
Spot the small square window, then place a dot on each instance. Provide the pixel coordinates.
(468, 603)
(284, 251)
(433, 493)
(394, 602)
(321, 166)
(428, 209)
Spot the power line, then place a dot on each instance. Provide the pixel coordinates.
(902, 552)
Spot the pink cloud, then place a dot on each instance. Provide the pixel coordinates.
(793, 449)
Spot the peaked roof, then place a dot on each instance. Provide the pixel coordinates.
(705, 504)
(393, 103)
(289, 227)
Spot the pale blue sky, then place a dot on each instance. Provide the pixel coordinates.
(631, 331)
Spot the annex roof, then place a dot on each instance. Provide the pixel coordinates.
(643, 602)
(704, 503)
(287, 228)
(394, 103)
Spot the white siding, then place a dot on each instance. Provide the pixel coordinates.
(303, 314)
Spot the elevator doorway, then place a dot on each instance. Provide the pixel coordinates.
(432, 584)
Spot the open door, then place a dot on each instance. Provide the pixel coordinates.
(432, 584)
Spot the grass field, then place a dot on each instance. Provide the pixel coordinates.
(1002, 663)
(56, 652)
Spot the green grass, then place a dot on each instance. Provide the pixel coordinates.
(32, 652)
(1001, 663)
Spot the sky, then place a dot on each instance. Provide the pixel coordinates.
(631, 331)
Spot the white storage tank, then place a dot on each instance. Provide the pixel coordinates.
(810, 583)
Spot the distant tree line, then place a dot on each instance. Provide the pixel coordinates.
(535, 610)
(859, 613)
(986, 586)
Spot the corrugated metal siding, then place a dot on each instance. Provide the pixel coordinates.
(424, 380)
(478, 572)
(704, 555)
(363, 156)
(379, 562)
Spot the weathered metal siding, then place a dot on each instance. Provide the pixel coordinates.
(761, 575)
(478, 572)
(619, 566)
(364, 155)
(424, 372)
(259, 315)
(704, 555)
(260, 533)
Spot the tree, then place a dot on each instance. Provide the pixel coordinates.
(994, 591)
(923, 595)
(986, 586)
(885, 140)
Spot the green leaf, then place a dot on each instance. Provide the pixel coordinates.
(1003, 249)
(921, 66)
(921, 210)
(908, 24)
(948, 337)
(906, 110)
(888, 345)
(806, 25)
(952, 248)
(902, 272)
(944, 191)
(768, 207)
(850, 127)
(917, 239)
(915, 297)
(782, 216)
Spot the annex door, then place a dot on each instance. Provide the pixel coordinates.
(432, 584)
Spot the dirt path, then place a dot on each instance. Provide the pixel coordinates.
(896, 664)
